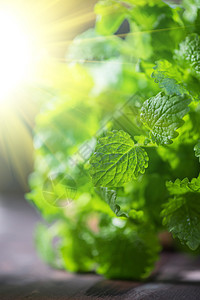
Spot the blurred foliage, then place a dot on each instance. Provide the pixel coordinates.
(102, 87)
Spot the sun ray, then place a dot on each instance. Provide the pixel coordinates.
(17, 157)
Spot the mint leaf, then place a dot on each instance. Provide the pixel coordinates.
(189, 51)
(144, 2)
(191, 8)
(110, 15)
(162, 115)
(126, 251)
(181, 214)
(76, 247)
(169, 78)
(92, 47)
(197, 150)
(117, 160)
(110, 197)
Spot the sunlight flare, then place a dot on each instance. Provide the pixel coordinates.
(15, 53)
(34, 37)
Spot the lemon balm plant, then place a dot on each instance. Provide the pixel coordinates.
(117, 142)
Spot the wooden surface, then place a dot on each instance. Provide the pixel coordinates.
(24, 276)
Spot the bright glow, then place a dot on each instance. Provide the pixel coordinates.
(15, 54)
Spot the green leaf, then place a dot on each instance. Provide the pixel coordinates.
(189, 52)
(92, 48)
(169, 78)
(110, 197)
(110, 15)
(137, 216)
(142, 140)
(76, 247)
(126, 251)
(178, 187)
(145, 2)
(191, 9)
(181, 214)
(162, 115)
(59, 189)
(117, 160)
(197, 150)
